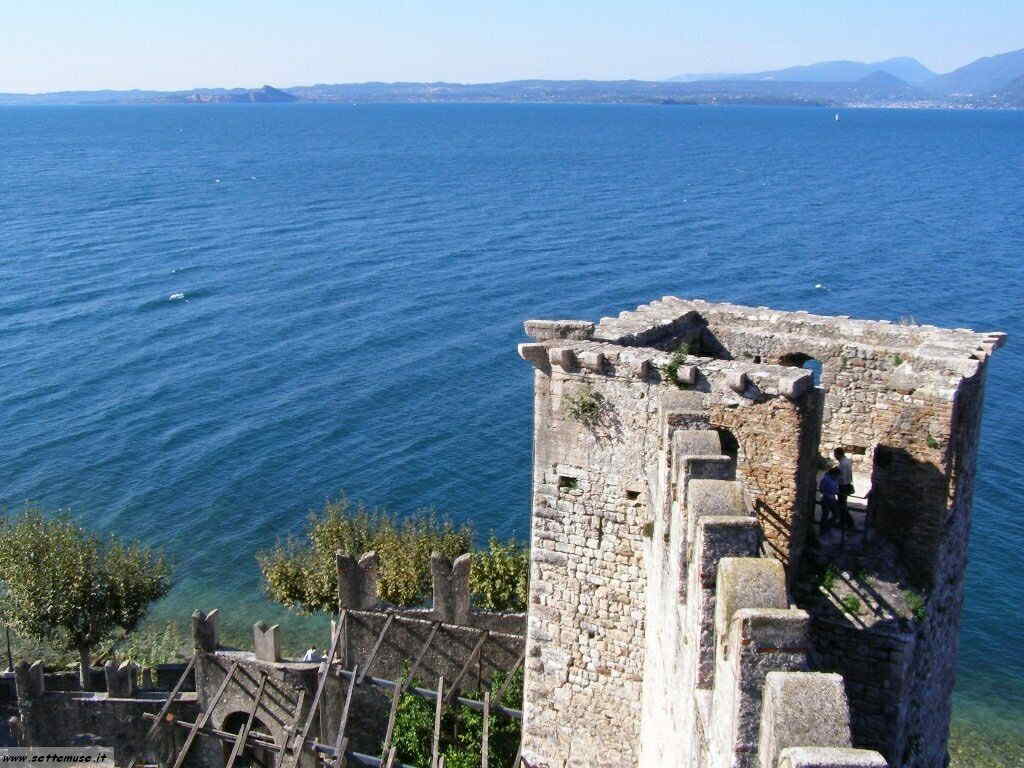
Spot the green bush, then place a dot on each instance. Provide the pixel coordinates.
(585, 407)
(461, 730)
(671, 369)
(499, 576)
(828, 578)
(916, 604)
(302, 574)
(851, 604)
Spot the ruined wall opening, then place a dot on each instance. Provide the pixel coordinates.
(251, 756)
(805, 361)
(730, 445)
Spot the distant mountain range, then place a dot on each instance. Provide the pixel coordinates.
(907, 69)
(994, 81)
(986, 78)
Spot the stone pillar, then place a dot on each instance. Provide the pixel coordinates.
(265, 642)
(121, 680)
(451, 588)
(760, 640)
(357, 581)
(204, 630)
(30, 688)
(715, 538)
(803, 709)
(28, 680)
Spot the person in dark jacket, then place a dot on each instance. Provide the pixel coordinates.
(828, 486)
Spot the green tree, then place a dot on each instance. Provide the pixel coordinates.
(300, 574)
(498, 578)
(71, 588)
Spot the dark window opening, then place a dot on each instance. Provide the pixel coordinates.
(569, 483)
(730, 445)
(632, 495)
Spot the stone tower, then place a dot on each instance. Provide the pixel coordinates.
(684, 607)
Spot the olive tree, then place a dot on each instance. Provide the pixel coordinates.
(71, 588)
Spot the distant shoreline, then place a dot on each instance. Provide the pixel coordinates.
(833, 95)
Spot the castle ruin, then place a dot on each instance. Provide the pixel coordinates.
(676, 449)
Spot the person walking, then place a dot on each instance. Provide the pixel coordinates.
(828, 486)
(846, 488)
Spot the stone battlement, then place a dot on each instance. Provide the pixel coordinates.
(676, 454)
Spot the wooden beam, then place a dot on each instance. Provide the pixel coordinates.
(430, 695)
(438, 706)
(291, 729)
(222, 735)
(391, 721)
(164, 709)
(485, 737)
(509, 677)
(423, 652)
(243, 735)
(376, 647)
(453, 689)
(202, 720)
(341, 740)
(314, 705)
(391, 758)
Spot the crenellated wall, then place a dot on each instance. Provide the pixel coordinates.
(670, 521)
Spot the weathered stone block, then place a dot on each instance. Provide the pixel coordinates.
(357, 581)
(28, 680)
(802, 709)
(121, 680)
(266, 642)
(747, 582)
(451, 587)
(543, 330)
(204, 630)
(830, 757)
(563, 357)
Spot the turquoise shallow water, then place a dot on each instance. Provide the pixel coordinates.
(213, 318)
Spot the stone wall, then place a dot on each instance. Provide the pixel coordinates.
(113, 718)
(875, 663)
(598, 503)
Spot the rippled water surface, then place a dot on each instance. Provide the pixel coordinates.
(212, 318)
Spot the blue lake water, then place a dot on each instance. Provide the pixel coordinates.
(213, 318)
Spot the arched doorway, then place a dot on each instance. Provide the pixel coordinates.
(252, 756)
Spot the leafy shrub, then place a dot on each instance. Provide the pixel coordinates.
(851, 604)
(585, 407)
(302, 575)
(828, 578)
(499, 576)
(916, 604)
(461, 730)
(671, 369)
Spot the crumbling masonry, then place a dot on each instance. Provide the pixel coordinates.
(672, 520)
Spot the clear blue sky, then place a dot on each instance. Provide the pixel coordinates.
(170, 44)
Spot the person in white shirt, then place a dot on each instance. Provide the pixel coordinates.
(312, 654)
(845, 484)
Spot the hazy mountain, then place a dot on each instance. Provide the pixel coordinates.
(905, 68)
(1013, 94)
(982, 77)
